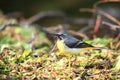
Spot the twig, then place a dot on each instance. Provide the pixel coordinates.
(109, 17)
(54, 48)
(117, 45)
(57, 14)
(102, 13)
(112, 26)
(59, 28)
(85, 29)
(30, 41)
(77, 34)
(117, 41)
(2, 27)
(97, 24)
(42, 15)
(117, 38)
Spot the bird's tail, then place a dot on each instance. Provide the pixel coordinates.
(103, 49)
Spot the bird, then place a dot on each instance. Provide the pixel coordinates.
(69, 45)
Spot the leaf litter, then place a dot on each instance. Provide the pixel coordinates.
(25, 53)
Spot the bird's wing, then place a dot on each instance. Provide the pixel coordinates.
(70, 41)
(82, 44)
(77, 44)
(73, 42)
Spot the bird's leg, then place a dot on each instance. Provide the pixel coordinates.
(72, 60)
(54, 47)
(69, 63)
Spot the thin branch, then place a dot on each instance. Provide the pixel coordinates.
(77, 34)
(42, 15)
(84, 29)
(57, 14)
(97, 24)
(112, 26)
(2, 27)
(102, 13)
(109, 17)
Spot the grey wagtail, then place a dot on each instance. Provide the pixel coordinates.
(68, 44)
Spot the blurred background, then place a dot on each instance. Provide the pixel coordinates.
(25, 9)
(31, 7)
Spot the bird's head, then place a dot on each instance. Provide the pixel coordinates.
(62, 36)
(71, 41)
(66, 37)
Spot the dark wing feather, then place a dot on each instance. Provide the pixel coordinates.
(76, 44)
(81, 44)
(70, 41)
(73, 42)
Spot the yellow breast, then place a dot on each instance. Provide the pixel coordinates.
(66, 50)
(72, 51)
